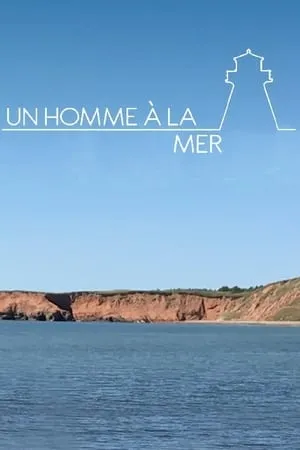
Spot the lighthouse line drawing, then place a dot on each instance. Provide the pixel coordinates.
(269, 80)
(83, 115)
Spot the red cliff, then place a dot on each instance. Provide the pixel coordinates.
(277, 301)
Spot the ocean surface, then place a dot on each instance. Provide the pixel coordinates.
(116, 386)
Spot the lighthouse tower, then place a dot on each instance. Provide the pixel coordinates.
(249, 106)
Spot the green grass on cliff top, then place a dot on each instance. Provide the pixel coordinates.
(224, 291)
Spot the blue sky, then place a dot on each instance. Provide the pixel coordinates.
(111, 211)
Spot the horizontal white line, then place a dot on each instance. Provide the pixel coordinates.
(112, 130)
(145, 130)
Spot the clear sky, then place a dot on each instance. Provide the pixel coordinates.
(112, 211)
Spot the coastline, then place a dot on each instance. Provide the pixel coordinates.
(274, 304)
(202, 322)
(243, 322)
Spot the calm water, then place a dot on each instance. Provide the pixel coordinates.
(129, 386)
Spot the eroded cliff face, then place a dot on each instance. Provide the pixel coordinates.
(31, 305)
(277, 301)
(129, 307)
(148, 307)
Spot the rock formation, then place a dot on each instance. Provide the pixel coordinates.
(277, 301)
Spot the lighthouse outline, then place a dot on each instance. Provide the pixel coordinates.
(268, 81)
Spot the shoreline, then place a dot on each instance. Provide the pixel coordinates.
(243, 322)
(279, 323)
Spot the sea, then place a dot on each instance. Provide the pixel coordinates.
(118, 386)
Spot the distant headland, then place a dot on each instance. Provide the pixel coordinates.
(279, 302)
